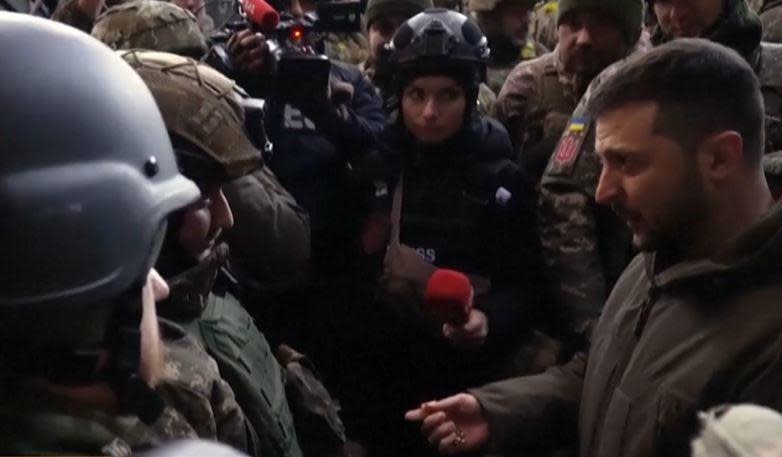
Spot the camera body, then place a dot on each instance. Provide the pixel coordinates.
(296, 61)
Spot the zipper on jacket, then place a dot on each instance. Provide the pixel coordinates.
(646, 310)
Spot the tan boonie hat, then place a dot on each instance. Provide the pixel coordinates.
(151, 24)
(204, 108)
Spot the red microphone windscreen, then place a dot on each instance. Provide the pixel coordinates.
(449, 296)
(261, 14)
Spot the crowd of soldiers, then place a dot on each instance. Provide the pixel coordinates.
(198, 244)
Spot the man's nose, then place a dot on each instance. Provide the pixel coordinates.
(222, 216)
(608, 188)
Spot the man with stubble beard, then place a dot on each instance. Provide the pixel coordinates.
(539, 95)
(693, 321)
(585, 246)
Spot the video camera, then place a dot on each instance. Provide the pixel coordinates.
(297, 61)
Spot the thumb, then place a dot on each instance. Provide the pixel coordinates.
(445, 404)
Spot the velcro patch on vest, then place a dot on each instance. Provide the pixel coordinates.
(570, 144)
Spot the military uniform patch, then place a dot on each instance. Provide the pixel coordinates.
(570, 144)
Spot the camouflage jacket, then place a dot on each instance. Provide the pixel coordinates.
(216, 319)
(583, 261)
(271, 233)
(352, 48)
(496, 74)
(198, 405)
(534, 105)
(586, 246)
(192, 385)
(544, 23)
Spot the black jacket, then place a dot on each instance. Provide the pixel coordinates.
(313, 154)
(466, 206)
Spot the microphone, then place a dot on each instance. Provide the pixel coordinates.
(449, 296)
(261, 14)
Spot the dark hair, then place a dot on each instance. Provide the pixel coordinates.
(700, 87)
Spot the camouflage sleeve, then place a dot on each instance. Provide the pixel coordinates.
(193, 387)
(567, 222)
(351, 48)
(512, 104)
(271, 235)
(487, 101)
(69, 12)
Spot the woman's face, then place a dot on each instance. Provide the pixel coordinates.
(433, 108)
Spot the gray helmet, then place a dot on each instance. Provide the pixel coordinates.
(87, 180)
(193, 448)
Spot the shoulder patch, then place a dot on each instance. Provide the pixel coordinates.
(570, 144)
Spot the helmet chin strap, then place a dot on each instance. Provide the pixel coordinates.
(135, 396)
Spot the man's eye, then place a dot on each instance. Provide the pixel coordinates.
(415, 95)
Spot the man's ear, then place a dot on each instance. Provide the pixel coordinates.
(721, 155)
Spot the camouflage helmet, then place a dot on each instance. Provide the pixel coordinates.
(204, 114)
(87, 181)
(485, 6)
(151, 24)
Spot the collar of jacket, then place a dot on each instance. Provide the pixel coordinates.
(749, 260)
(190, 289)
(739, 28)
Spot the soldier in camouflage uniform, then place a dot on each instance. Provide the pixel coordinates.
(540, 94)
(204, 114)
(352, 48)
(89, 197)
(260, 204)
(586, 246)
(82, 14)
(151, 24)
(506, 25)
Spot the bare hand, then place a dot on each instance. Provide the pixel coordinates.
(248, 51)
(471, 334)
(453, 425)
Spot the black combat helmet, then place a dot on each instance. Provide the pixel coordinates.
(438, 42)
(87, 180)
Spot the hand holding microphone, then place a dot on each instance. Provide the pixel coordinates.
(449, 297)
(247, 47)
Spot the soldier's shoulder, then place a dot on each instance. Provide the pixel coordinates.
(523, 77)
(607, 73)
(188, 364)
(352, 48)
(770, 73)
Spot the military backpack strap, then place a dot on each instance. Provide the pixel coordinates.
(396, 210)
